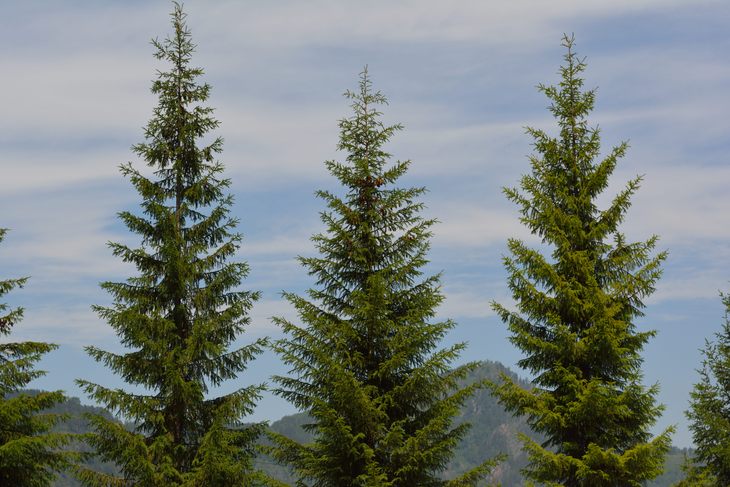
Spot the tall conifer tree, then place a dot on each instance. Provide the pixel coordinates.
(181, 313)
(366, 368)
(709, 411)
(576, 309)
(30, 455)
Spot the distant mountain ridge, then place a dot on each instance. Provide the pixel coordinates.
(493, 431)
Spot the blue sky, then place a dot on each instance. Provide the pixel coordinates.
(460, 76)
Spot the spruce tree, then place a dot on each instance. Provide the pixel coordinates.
(365, 364)
(577, 307)
(709, 412)
(30, 454)
(179, 316)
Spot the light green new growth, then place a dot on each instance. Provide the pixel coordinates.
(576, 308)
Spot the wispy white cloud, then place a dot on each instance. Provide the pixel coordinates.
(459, 304)
(72, 324)
(692, 284)
(79, 95)
(95, 88)
(684, 205)
(282, 244)
(478, 227)
(40, 170)
(62, 232)
(267, 308)
(325, 22)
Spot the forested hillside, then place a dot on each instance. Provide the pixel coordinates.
(493, 432)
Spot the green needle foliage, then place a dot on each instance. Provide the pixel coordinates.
(365, 366)
(181, 313)
(30, 455)
(709, 412)
(576, 309)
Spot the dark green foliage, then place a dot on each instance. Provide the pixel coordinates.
(381, 397)
(576, 309)
(30, 454)
(181, 313)
(709, 411)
